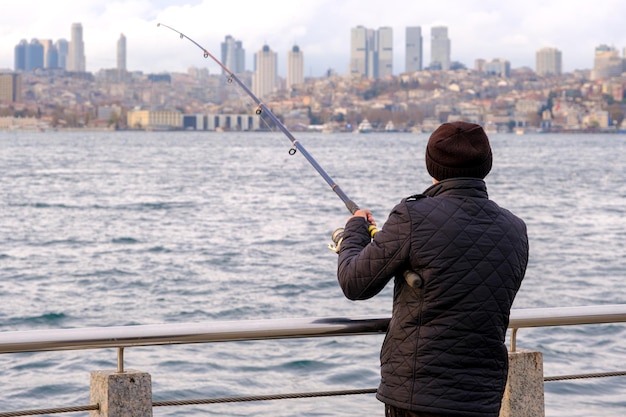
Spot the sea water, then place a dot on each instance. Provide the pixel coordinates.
(126, 228)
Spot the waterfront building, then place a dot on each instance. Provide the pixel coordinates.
(233, 55)
(76, 57)
(265, 76)
(155, 119)
(295, 67)
(549, 62)
(413, 52)
(439, 48)
(371, 52)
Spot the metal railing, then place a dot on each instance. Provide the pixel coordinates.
(122, 337)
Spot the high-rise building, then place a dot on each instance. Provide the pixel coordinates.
(47, 46)
(439, 48)
(29, 56)
(413, 53)
(51, 54)
(10, 87)
(383, 52)
(295, 67)
(62, 47)
(121, 53)
(265, 72)
(20, 55)
(76, 55)
(361, 51)
(34, 55)
(371, 52)
(548, 62)
(606, 63)
(233, 55)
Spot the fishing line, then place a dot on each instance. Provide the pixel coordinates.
(262, 110)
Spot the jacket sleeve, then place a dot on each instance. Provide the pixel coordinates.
(365, 266)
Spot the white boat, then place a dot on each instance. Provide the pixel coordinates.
(390, 127)
(364, 127)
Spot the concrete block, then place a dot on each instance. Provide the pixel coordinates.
(523, 395)
(126, 394)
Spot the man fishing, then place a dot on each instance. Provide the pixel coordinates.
(444, 353)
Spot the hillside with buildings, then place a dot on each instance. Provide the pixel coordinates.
(50, 89)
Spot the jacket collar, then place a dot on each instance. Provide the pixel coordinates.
(460, 187)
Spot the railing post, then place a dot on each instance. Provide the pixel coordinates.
(126, 394)
(523, 395)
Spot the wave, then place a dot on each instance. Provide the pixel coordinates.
(147, 206)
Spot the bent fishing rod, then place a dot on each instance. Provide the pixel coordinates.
(263, 109)
(411, 277)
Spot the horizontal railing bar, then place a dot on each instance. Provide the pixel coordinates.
(185, 333)
(224, 331)
(563, 316)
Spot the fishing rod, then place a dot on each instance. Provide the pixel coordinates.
(411, 277)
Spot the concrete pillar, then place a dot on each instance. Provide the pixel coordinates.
(126, 394)
(523, 395)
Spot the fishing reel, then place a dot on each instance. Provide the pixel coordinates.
(336, 238)
(412, 278)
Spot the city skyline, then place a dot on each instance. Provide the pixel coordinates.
(478, 30)
(371, 55)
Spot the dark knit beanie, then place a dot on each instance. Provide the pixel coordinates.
(458, 149)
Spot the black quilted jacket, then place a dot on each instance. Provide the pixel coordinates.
(444, 352)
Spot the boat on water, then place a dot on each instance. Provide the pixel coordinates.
(390, 127)
(364, 127)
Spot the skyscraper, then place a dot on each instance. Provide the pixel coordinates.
(439, 48)
(76, 56)
(20, 55)
(33, 56)
(51, 54)
(548, 62)
(265, 72)
(371, 52)
(121, 53)
(295, 67)
(361, 51)
(413, 54)
(383, 52)
(63, 48)
(233, 55)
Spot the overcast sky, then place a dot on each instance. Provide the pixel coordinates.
(488, 29)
